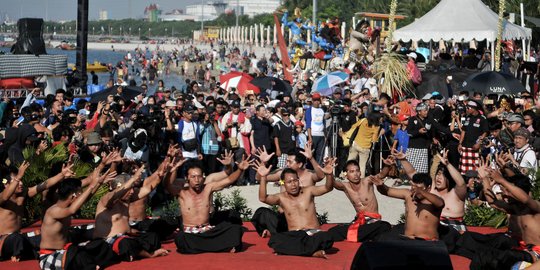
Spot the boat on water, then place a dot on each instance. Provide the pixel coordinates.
(96, 67)
(66, 46)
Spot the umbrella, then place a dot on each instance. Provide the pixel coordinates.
(266, 83)
(128, 93)
(239, 80)
(324, 83)
(491, 82)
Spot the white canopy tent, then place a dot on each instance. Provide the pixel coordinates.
(460, 20)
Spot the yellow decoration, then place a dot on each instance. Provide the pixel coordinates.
(281, 182)
(393, 9)
(4, 181)
(502, 9)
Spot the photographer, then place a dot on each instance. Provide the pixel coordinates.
(485, 62)
(210, 140)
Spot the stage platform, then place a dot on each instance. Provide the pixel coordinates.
(255, 255)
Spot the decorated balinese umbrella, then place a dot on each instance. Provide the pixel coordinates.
(324, 83)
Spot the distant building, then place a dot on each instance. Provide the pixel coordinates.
(177, 15)
(213, 9)
(103, 15)
(152, 13)
(252, 8)
(207, 12)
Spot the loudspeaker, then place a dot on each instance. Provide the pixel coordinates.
(413, 254)
(30, 40)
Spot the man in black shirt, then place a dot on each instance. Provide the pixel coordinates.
(347, 118)
(284, 140)
(475, 128)
(419, 139)
(261, 133)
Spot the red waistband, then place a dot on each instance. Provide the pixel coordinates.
(116, 244)
(46, 251)
(529, 247)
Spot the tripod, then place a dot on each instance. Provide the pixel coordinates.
(333, 133)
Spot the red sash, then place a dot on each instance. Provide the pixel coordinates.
(116, 244)
(352, 232)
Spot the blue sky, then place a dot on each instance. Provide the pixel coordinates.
(67, 9)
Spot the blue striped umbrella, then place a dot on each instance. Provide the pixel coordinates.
(324, 83)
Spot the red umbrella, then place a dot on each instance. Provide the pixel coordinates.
(238, 80)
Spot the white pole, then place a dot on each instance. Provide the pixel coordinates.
(493, 55)
(275, 34)
(256, 41)
(251, 34)
(268, 36)
(343, 32)
(526, 53)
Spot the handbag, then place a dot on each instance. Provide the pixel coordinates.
(190, 145)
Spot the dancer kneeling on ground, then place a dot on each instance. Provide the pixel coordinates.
(367, 224)
(197, 235)
(55, 250)
(112, 216)
(422, 208)
(304, 237)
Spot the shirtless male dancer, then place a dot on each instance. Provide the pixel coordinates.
(197, 235)
(454, 197)
(56, 252)
(14, 245)
(422, 208)
(265, 220)
(112, 215)
(367, 224)
(304, 237)
(523, 210)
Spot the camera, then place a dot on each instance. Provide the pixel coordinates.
(337, 108)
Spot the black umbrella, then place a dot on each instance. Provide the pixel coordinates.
(491, 82)
(266, 83)
(128, 93)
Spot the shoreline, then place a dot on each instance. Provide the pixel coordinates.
(125, 47)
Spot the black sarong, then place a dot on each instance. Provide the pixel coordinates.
(266, 219)
(129, 247)
(16, 245)
(72, 257)
(366, 232)
(300, 243)
(163, 227)
(230, 216)
(222, 238)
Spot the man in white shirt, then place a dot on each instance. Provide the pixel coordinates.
(524, 156)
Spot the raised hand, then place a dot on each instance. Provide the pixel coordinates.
(22, 169)
(308, 153)
(106, 177)
(139, 172)
(483, 169)
(398, 155)
(244, 164)
(375, 180)
(178, 162)
(263, 155)
(444, 157)
(389, 161)
(173, 150)
(329, 165)
(66, 170)
(261, 169)
(226, 158)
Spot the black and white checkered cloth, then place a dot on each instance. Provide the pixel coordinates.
(26, 65)
(419, 159)
(52, 261)
(282, 161)
(454, 223)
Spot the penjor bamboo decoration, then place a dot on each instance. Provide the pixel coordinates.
(393, 9)
(502, 9)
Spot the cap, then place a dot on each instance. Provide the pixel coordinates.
(337, 91)
(93, 138)
(474, 103)
(523, 132)
(421, 107)
(170, 103)
(298, 123)
(284, 111)
(235, 103)
(412, 55)
(403, 117)
(189, 108)
(316, 95)
(211, 109)
(427, 96)
(515, 117)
